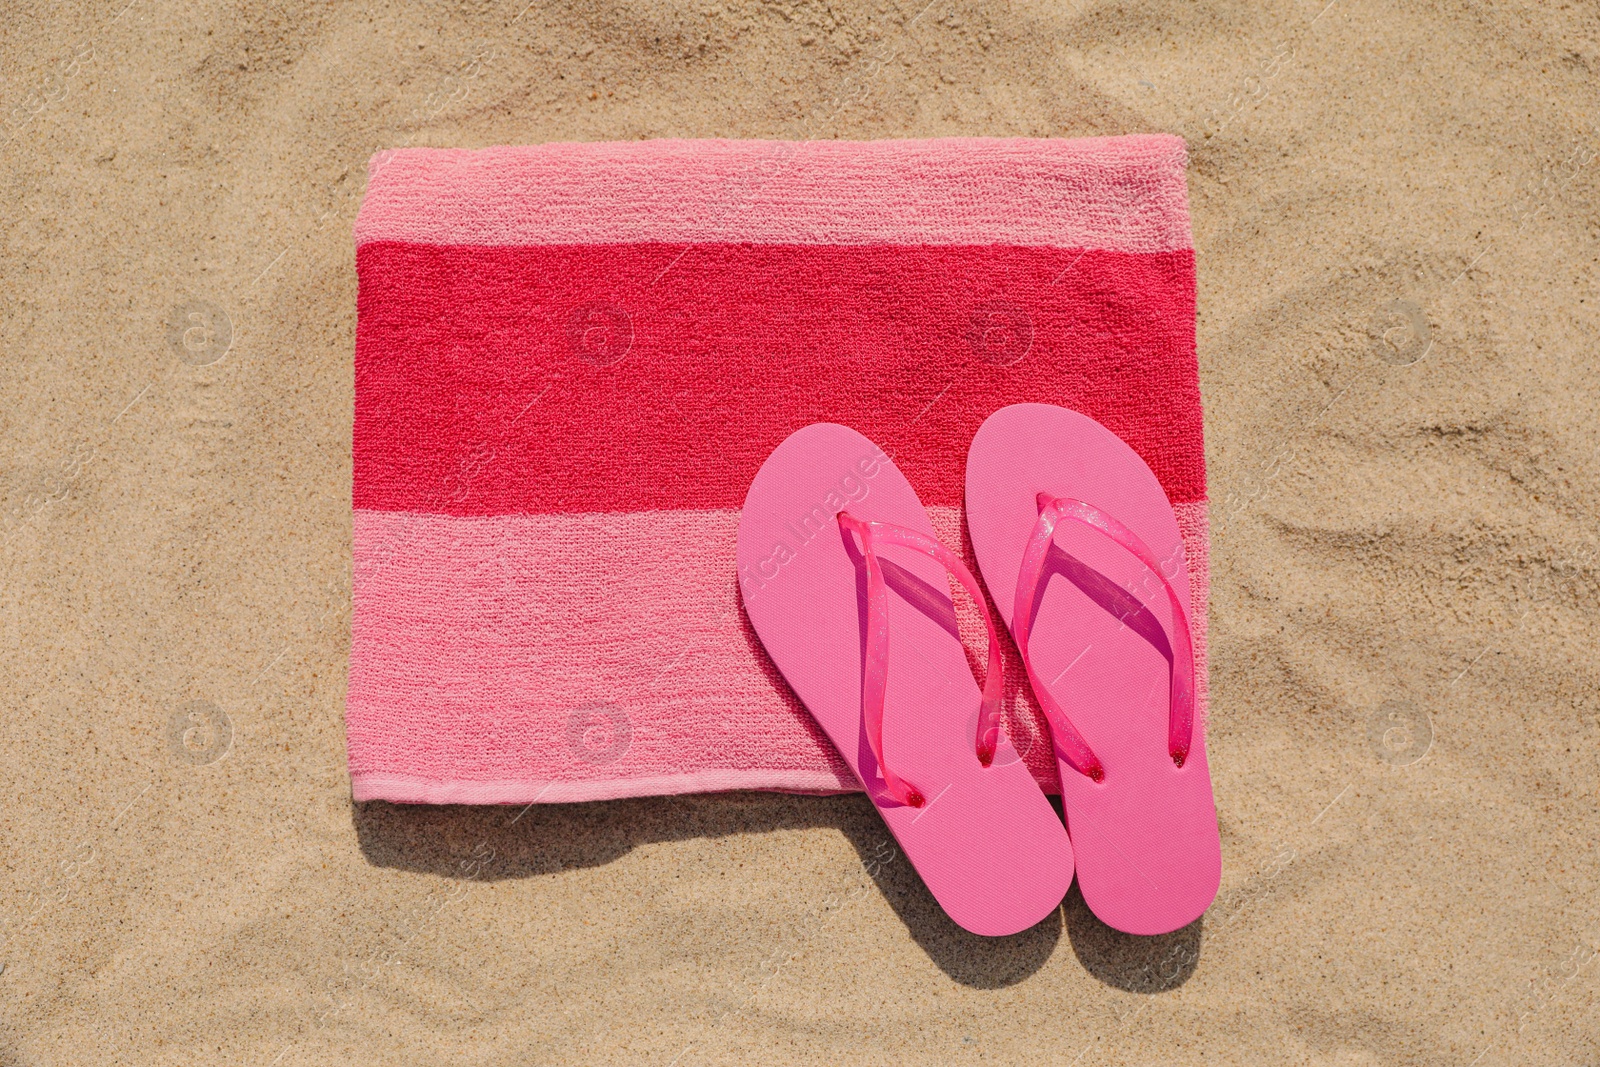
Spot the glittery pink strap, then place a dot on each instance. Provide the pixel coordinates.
(1069, 743)
(875, 677)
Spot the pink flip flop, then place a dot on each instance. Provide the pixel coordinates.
(1079, 546)
(845, 583)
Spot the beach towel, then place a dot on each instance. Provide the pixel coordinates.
(571, 359)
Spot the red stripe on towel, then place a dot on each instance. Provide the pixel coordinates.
(485, 381)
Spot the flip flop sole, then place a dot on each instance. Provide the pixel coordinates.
(1145, 837)
(987, 843)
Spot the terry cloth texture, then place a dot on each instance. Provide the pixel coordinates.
(571, 359)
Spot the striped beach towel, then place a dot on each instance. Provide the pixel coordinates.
(571, 359)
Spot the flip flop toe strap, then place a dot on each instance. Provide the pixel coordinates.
(1180, 718)
(875, 677)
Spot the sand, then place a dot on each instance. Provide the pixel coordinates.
(1397, 225)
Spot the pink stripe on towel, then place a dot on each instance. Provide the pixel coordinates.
(1122, 194)
(643, 678)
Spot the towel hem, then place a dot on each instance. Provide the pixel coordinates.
(405, 789)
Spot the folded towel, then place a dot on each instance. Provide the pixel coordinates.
(571, 359)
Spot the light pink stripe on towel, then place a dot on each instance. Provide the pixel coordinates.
(1120, 194)
(642, 680)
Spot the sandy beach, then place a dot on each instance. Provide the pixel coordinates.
(1396, 213)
